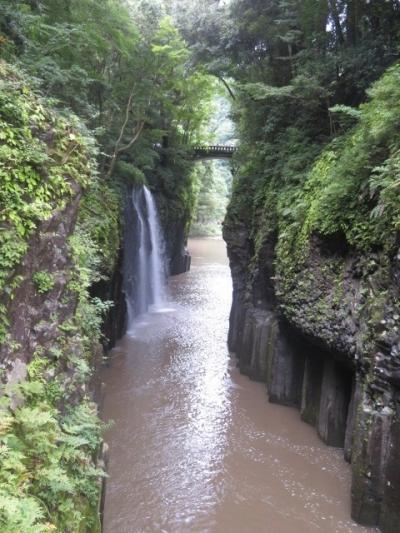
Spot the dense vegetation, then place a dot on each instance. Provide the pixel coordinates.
(97, 96)
(48, 474)
(313, 159)
(214, 178)
(94, 97)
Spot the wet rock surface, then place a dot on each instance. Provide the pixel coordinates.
(30, 313)
(326, 339)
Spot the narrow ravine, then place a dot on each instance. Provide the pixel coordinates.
(195, 446)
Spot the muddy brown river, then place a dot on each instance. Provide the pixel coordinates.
(195, 447)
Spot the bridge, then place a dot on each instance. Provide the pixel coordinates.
(218, 151)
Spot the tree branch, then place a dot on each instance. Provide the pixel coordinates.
(336, 19)
(136, 134)
(232, 94)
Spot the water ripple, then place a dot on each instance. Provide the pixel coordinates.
(196, 447)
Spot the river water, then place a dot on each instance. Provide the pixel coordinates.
(195, 447)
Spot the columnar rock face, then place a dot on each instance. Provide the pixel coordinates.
(174, 219)
(178, 257)
(113, 326)
(334, 404)
(311, 389)
(328, 343)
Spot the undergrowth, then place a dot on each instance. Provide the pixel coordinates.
(42, 156)
(50, 434)
(352, 189)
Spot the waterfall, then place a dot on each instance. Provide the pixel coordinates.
(144, 258)
(156, 263)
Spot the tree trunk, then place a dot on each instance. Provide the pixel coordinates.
(336, 20)
(353, 14)
(135, 136)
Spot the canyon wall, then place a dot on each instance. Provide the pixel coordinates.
(316, 316)
(49, 325)
(61, 305)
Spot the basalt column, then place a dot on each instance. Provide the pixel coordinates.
(311, 389)
(335, 399)
(285, 369)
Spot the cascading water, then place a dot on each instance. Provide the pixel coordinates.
(157, 262)
(144, 258)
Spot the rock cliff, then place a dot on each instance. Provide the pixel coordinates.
(49, 324)
(61, 304)
(316, 315)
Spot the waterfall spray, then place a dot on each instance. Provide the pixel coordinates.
(144, 263)
(156, 259)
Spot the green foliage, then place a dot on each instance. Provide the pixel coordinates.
(99, 227)
(34, 143)
(353, 187)
(130, 173)
(214, 179)
(49, 430)
(91, 264)
(125, 70)
(47, 477)
(345, 115)
(44, 281)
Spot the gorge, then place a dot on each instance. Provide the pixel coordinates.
(194, 445)
(107, 112)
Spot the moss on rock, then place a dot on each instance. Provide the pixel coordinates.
(53, 247)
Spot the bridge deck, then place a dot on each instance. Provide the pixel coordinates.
(214, 151)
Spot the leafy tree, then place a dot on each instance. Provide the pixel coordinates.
(126, 78)
(140, 103)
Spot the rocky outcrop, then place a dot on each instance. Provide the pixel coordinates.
(325, 338)
(179, 259)
(49, 325)
(175, 223)
(30, 311)
(111, 290)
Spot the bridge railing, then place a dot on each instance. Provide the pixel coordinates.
(214, 150)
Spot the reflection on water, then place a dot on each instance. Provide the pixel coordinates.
(195, 446)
